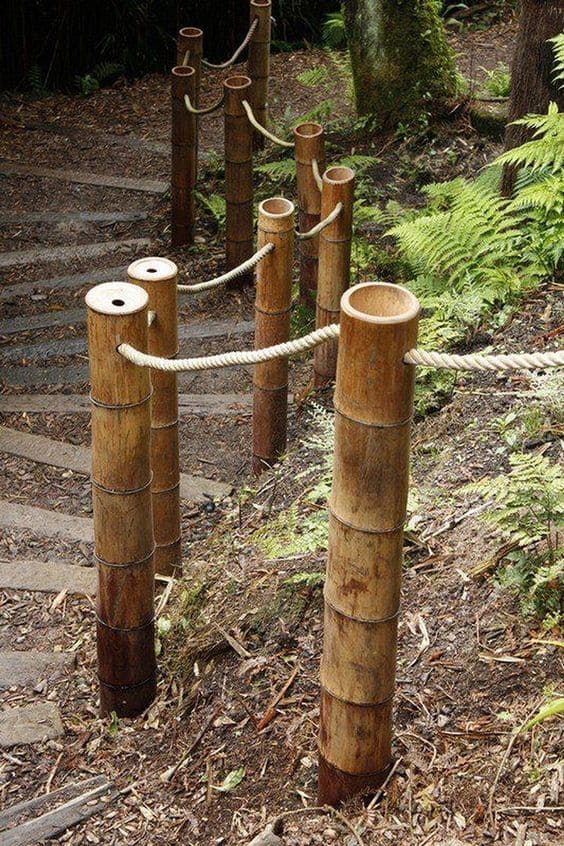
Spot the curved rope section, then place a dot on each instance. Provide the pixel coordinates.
(231, 274)
(207, 111)
(244, 43)
(316, 174)
(514, 361)
(186, 59)
(263, 131)
(228, 359)
(323, 224)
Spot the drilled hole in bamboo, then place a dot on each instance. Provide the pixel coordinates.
(308, 130)
(380, 302)
(276, 207)
(118, 302)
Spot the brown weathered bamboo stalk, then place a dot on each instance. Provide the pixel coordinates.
(189, 51)
(121, 491)
(334, 265)
(258, 64)
(184, 152)
(309, 139)
(238, 177)
(158, 277)
(373, 409)
(272, 326)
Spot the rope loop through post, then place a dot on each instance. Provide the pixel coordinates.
(231, 274)
(306, 236)
(205, 111)
(263, 131)
(237, 52)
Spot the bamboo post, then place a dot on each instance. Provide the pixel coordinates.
(158, 277)
(309, 146)
(258, 64)
(238, 177)
(189, 51)
(334, 265)
(121, 492)
(373, 409)
(183, 157)
(272, 326)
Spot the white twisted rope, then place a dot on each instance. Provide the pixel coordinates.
(186, 59)
(515, 361)
(231, 274)
(315, 230)
(230, 358)
(316, 174)
(254, 122)
(206, 111)
(238, 51)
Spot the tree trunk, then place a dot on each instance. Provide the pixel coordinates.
(532, 74)
(401, 63)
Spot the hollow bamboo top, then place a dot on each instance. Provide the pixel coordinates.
(237, 81)
(116, 298)
(308, 130)
(380, 302)
(191, 32)
(152, 269)
(338, 175)
(276, 215)
(261, 3)
(183, 70)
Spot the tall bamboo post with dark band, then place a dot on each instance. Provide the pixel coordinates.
(238, 177)
(183, 156)
(258, 64)
(121, 492)
(158, 277)
(309, 141)
(373, 410)
(334, 265)
(189, 51)
(272, 326)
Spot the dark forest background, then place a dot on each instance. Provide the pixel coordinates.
(52, 43)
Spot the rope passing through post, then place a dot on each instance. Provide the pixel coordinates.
(323, 224)
(263, 131)
(231, 274)
(229, 359)
(206, 111)
(238, 51)
(316, 174)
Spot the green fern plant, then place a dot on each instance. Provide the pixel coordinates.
(527, 506)
(558, 48)
(216, 206)
(333, 31)
(280, 171)
(312, 77)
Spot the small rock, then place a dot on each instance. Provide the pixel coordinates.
(29, 724)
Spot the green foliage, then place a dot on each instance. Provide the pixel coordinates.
(546, 150)
(319, 113)
(498, 81)
(36, 81)
(333, 31)
(540, 415)
(312, 77)
(558, 48)
(215, 204)
(292, 534)
(527, 506)
(308, 580)
(551, 709)
(279, 171)
(100, 73)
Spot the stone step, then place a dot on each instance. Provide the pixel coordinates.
(47, 576)
(189, 405)
(27, 724)
(152, 186)
(73, 217)
(14, 515)
(78, 458)
(78, 252)
(26, 669)
(61, 283)
(26, 810)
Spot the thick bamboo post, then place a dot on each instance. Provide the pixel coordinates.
(309, 147)
(373, 409)
(238, 177)
(334, 265)
(158, 277)
(258, 64)
(183, 157)
(189, 51)
(121, 491)
(272, 326)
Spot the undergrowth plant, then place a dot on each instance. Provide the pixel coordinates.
(527, 507)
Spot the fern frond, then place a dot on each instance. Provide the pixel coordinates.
(312, 77)
(546, 194)
(282, 170)
(546, 150)
(558, 48)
